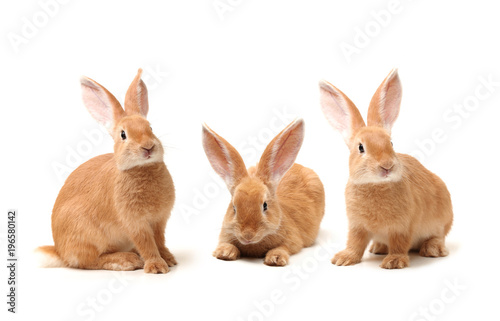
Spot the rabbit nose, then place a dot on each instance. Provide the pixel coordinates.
(385, 172)
(386, 168)
(148, 151)
(149, 146)
(247, 236)
(387, 165)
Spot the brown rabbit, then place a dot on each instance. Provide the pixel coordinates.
(390, 198)
(276, 207)
(112, 211)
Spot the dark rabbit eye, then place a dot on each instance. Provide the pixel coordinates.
(123, 135)
(234, 209)
(361, 148)
(264, 206)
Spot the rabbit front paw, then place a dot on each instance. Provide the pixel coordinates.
(226, 252)
(277, 257)
(395, 261)
(346, 257)
(156, 266)
(433, 247)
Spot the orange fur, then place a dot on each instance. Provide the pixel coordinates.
(293, 193)
(390, 198)
(112, 211)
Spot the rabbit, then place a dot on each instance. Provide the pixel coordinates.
(391, 198)
(112, 211)
(276, 206)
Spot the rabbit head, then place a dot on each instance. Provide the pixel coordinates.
(135, 143)
(372, 157)
(255, 211)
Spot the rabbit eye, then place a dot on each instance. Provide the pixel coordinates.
(264, 206)
(392, 144)
(124, 136)
(234, 209)
(361, 148)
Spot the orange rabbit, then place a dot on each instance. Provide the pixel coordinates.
(276, 206)
(112, 211)
(390, 198)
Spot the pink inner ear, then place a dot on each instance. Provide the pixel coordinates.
(218, 158)
(100, 103)
(281, 153)
(390, 102)
(224, 158)
(285, 155)
(386, 102)
(340, 111)
(94, 101)
(331, 105)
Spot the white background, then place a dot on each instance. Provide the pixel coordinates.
(247, 72)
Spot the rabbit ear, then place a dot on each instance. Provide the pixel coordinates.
(101, 104)
(224, 158)
(136, 99)
(280, 154)
(340, 111)
(384, 106)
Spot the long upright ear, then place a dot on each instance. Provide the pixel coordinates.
(280, 154)
(340, 111)
(136, 99)
(224, 158)
(101, 104)
(385, 103)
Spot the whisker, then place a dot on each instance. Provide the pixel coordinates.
(163, 135)
(172, 147)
